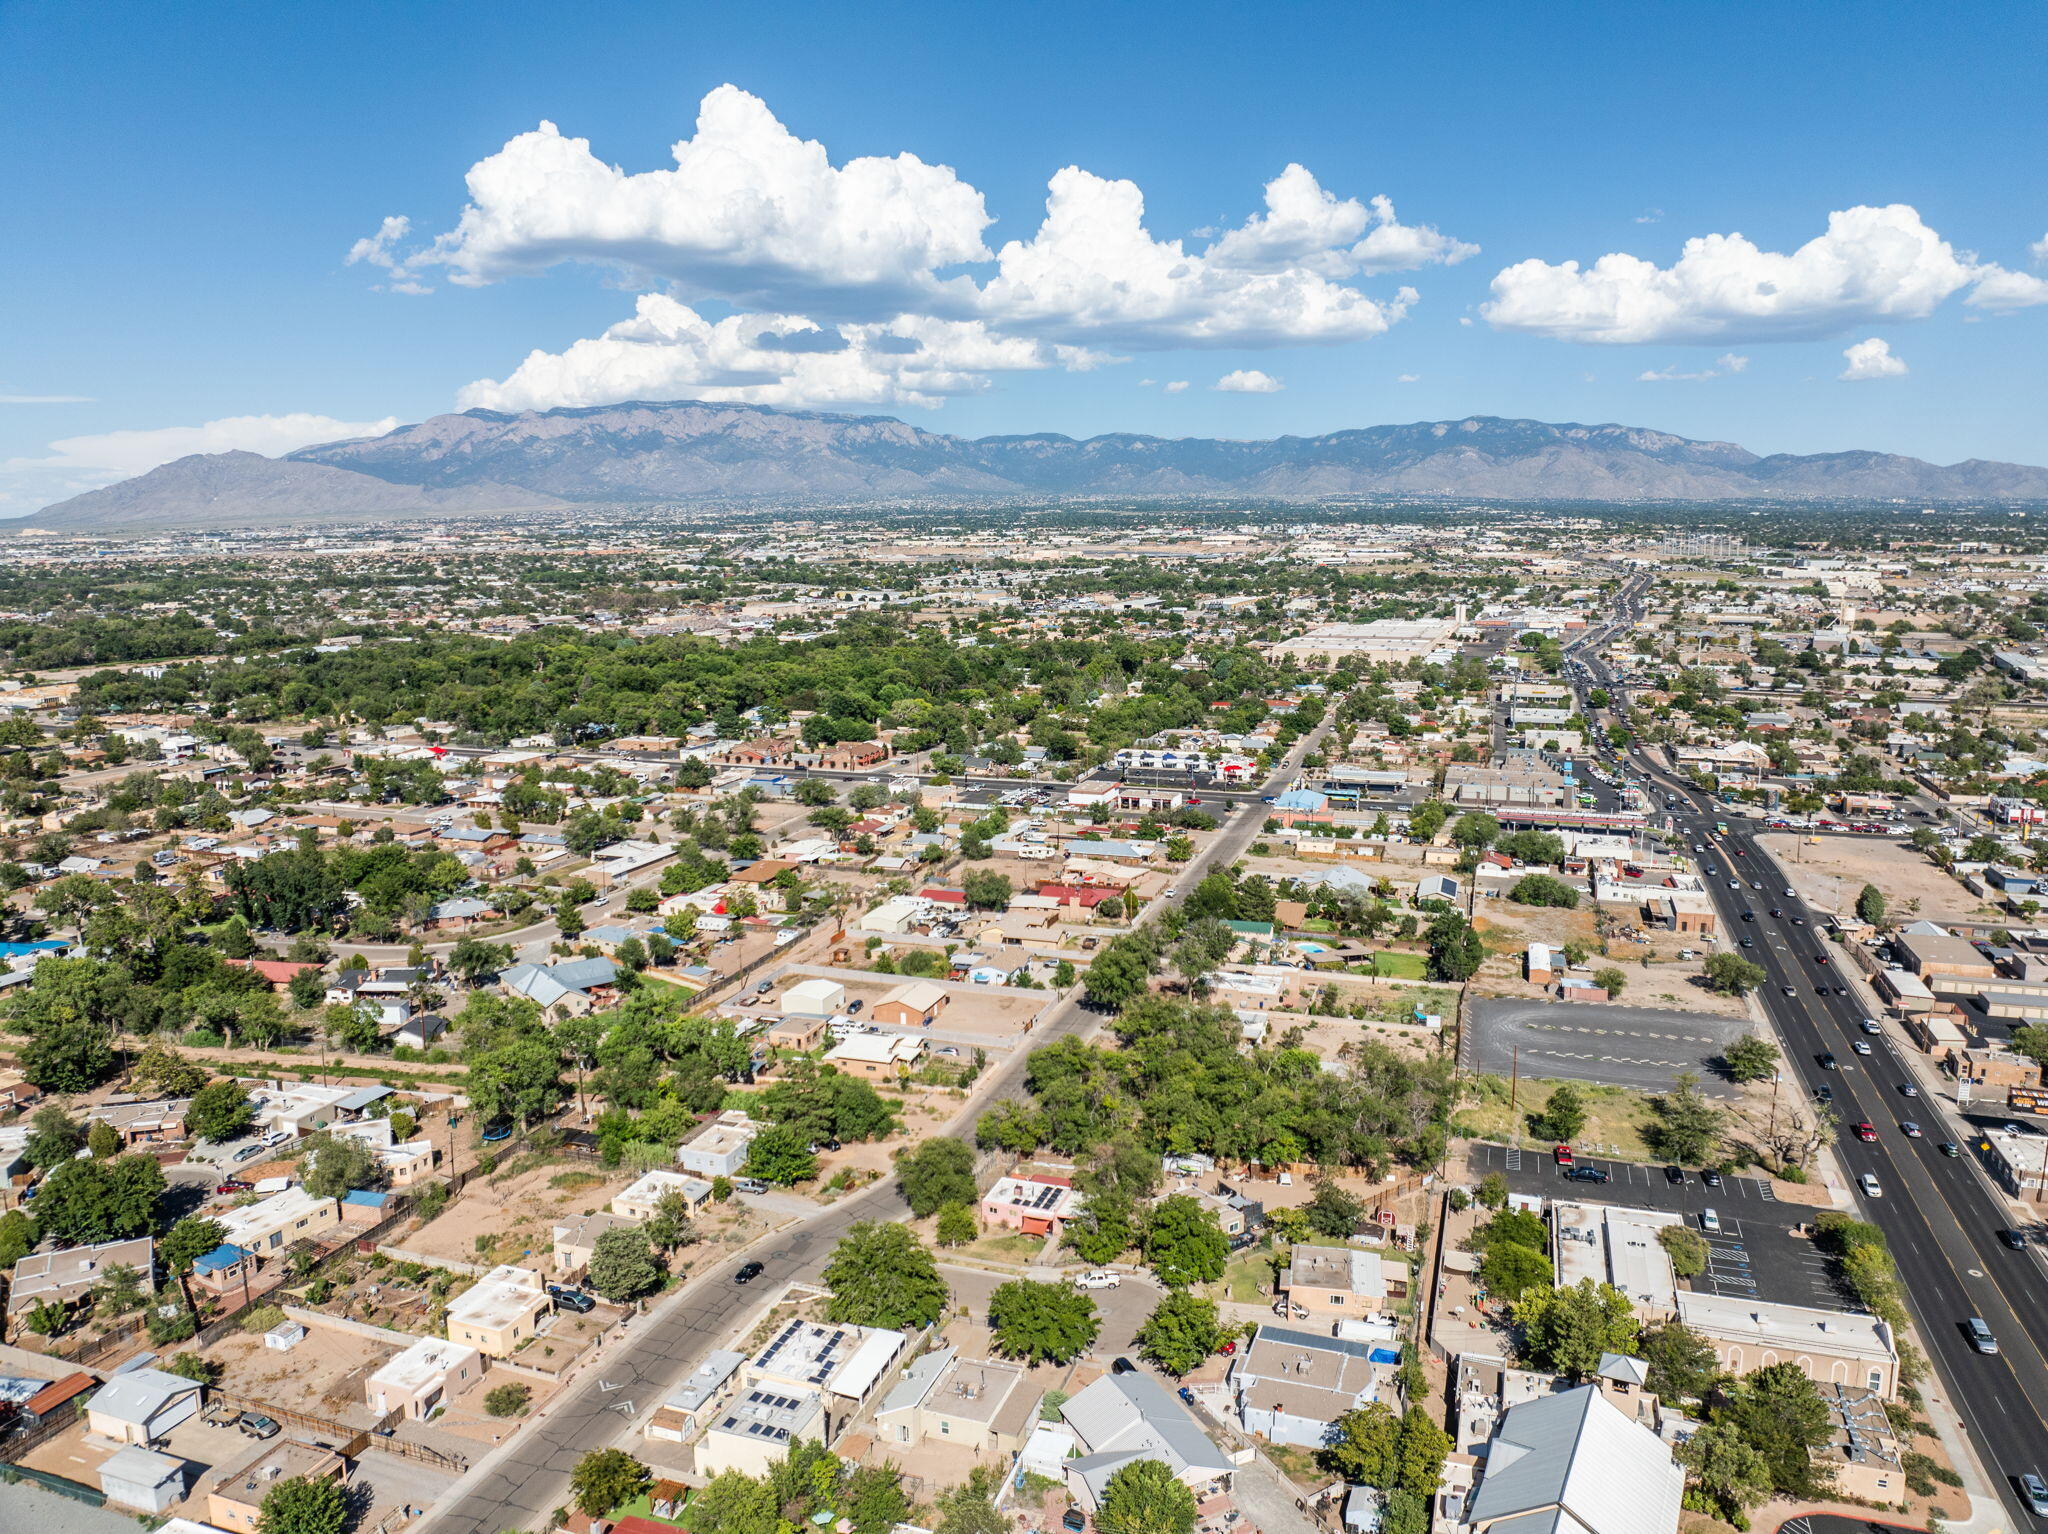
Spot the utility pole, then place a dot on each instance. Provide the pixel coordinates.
(1515, 1080)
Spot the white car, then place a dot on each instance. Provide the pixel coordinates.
(1869, 1184)
(1098, 1279)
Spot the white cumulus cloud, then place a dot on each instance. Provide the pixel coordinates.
(670, 351)
(381, 250)
(1724, 365)
(1870, 264)
(1869, 360)
(1408, 378)
(1247, 381)
(754, 217)
(1177, 386)
(77, 464)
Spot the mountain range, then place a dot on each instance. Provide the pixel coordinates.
(486, 460)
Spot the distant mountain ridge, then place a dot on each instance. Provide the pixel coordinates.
(483, 460)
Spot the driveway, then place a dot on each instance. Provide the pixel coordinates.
(1641, 1047)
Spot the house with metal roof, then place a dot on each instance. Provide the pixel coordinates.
(1123, 1418)
(1574, 1463)
(141, 1405)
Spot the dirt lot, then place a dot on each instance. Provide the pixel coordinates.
(324, 1374)
(1829, 873)
(1666, 981)
(517, 1216)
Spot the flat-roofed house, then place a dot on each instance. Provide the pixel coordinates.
(979, 1403)
(235, 1501)
(423, 1378)
(1338, 1281)
(501, 1310)
(1035, 1206)
(1291, 1386)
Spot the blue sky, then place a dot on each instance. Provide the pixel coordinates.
(186, 185)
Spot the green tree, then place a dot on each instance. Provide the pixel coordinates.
(1182, 1330)
(1781, 1414)
(335, 1166)
(1686, 1127)
(196, 1367)
(1508, 1270)
(162, 1070)
(473, 961)
(1475, 831)
(969, 1508)
(779, 1154)
(938, 1172)
(957, 1225)
(1724, 1465)
(1455, 950)
(508, 1400)
(880, 1274)
(669, 1226)
(300, 1505)
(1750, 1058)
(17, 1237)
(1145, 1497)
(1687, 1249)
(1681, 1362)
(604, 1479)
(2031, 1040)
(1610, 980)
(220, 1111)
(1544, 890)
(1566, 1330)
(1731, 974)
(1334, 1211)
(190, 1239)
(1184, 1244)
(1426, 819)
(1041, 1323)
(54, 1137)
(1563, 1116)
(1870, 905)
(987, 891)
(1419, 1458)
(102, 1140)
(1365, 1449)
(622, 1265)
(88, 1202)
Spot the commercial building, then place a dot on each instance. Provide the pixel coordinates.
(1830, 1347)
(1613, 1245)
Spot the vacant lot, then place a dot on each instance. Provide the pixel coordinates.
(1830, 871)
(514, 1220)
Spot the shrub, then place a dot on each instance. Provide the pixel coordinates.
(508, 1400)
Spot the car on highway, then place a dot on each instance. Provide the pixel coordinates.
(1799, 921)
(1823, 1093)
(1909, 1129)
(1907, 1089)
(1788, 990)
(1749, 916)
(1821, 958)
(1561, 1154)
(1950, 1149)
(1861, 1046)
(1841, 990)
(2034, 1492)
(1791, 895)
(1872, 1025)
(1866, 1131)
(1776, 912)
(1748, 942)
(1980, 1335)
(748, 1272)
(2014, 1239)
(1828, 1062)
(1871, 1187)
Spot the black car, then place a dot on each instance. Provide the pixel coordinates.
(1828, 1062)
(1586, 1174)
(1749, 916)
(1123, 1366)
(749, 1271)
(1710, 1177)
(1674, 1174)
(1823, 1093)
(566, 1298)
(1776, 912)
(2013, 1239)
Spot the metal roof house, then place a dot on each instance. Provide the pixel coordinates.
(1122, 1418)
(1575, 1463)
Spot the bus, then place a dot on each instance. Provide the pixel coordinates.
(1720, 828)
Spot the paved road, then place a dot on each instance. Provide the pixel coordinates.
(1939, 1215)
(517, 1486)
(1641, 1047)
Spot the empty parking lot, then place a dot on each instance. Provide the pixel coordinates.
(1641, 1047)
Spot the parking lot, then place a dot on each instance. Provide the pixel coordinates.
(1641, 1047)
(1754, 1255)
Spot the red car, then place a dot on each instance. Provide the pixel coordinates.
(233, 1185)
(1866, 1131)
(1562, 1155)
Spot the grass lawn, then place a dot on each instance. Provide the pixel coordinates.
(1615, 1117)
(1298, 1465)
(640, 1507)
(1249, 1280)
(1400, 966)
(1018, 1248)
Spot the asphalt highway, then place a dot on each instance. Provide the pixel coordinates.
(1937, 1212)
